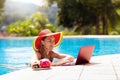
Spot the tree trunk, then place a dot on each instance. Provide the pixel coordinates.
(105, 25)
(97, 26)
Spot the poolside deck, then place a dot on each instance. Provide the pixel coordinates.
(100, 68)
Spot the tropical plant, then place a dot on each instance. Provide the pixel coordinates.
(89, 13)
(31, 26)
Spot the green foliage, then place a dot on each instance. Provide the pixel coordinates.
(51, 27)
(31, 26)
(74, 17)
(89, 13)
(114, 33)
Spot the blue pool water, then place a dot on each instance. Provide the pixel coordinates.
(15, 53)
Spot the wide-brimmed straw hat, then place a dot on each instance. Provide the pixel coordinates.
(45, 33)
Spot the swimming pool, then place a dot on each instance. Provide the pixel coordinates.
(15, 53)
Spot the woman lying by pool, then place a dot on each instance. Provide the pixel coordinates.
(43, 46)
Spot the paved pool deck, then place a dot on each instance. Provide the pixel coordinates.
(99, 68)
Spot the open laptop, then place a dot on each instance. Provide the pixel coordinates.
(84, 55)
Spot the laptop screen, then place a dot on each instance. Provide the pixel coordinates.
(85, 54)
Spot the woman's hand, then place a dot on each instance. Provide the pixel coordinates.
(35, 65)
(66, 59)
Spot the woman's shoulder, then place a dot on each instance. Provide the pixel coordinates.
(52, 52)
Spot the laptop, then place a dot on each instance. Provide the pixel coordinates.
(84, 56)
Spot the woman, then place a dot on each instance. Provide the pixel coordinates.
(43, 46)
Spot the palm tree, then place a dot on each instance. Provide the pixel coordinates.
(106, 14)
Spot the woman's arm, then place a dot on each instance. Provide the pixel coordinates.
(34, 62)
(62, 59)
